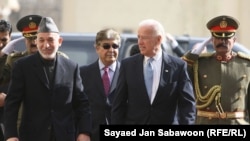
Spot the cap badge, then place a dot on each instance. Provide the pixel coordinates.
(223, 24)
(32, 25)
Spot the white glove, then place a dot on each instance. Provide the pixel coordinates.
(198, 48)
(171, 40)
(10, 47)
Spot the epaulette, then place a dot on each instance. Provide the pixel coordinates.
(63, 54)
(17, 54)
(243, 55)
(204, 55)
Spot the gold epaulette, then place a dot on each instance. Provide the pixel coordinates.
(204, 55)
(243, 55)
(17, 54)
(189, 61)
(63, 54)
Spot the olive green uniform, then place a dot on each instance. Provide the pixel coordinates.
(2, 62)
(222, 88)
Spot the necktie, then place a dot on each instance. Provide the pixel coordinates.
(148, 74)
(105, 80)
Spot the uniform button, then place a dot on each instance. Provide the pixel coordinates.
(239, 97)
(208, 108)
(204, 76)
(205, 87)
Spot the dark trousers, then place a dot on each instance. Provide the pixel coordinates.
(52, 134)
(1, 136)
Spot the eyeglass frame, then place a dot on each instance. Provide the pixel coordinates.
(108, 46)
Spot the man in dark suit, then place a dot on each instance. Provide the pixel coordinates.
(168, 100)
(55, 107)
(107, 47)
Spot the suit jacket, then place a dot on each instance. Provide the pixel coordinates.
(64, 105)
(174, 102)
(99, 103)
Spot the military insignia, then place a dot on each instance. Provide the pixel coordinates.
(32, 25)
(206, 55)
(243, 55)
(223, 24)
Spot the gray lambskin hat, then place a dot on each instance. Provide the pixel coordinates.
(47, 25)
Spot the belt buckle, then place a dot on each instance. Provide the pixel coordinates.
(223, 115)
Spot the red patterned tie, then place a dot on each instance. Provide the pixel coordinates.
(105, 80)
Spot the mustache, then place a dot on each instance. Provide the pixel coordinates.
(33, 45)
(221, 45)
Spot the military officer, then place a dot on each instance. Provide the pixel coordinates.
(5, 37)
(221, 79)
(28, 25)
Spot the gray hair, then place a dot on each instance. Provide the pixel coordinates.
(157, 27)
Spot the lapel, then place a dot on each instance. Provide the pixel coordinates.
(60, 69)
(98, 78)
(164, 76)
(139, 73)
(39, 69)
(115, 77)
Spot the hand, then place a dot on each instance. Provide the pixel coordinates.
(83, 137)
(2, 54)
(199, 48)
(171, 40)
(2, 99)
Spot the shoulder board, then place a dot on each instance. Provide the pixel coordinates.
(63, 54)
(17, 54)
(204, 55)
(243, 55)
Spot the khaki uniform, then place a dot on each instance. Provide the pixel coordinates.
(222, 88)
(2, 62)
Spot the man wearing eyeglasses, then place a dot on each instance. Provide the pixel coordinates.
(100, 78)
(221, 79)
(5, 37)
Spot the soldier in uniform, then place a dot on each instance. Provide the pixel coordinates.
(221, 79)
(5, 37)
(28, 25)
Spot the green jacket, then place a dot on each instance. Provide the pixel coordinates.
(220, 86)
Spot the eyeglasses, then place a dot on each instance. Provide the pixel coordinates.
(107, 46)
(3, 39)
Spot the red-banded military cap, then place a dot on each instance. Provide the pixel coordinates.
(223, 26)
(28, 25)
